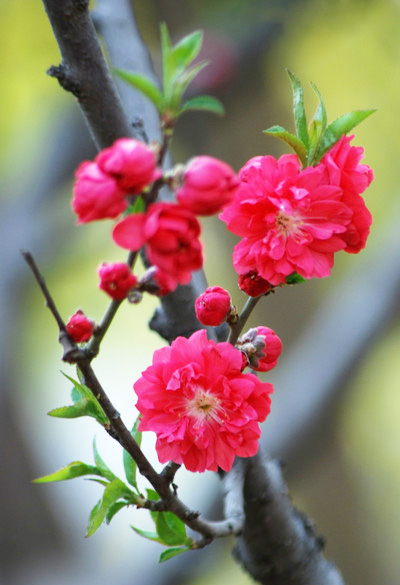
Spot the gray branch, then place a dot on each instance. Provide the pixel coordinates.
(279, 544)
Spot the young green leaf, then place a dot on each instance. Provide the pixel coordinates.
(339, 127)
(149, 535)
(167, 61)
(187, 49)
(104, 470)
(203, 102)
(144, 85)
(180, 82)
(169, 553)
(72, 470)
(298, 109)
(129, 463)
(294, 278)
(114, 509)
(114, 491)
(170, 528)
(85, 404)
(317, 127)
(290, 139)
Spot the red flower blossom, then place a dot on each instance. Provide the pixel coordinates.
(261, 347)
(79, 327)
(290, 219)
(170, 234)
(116, 279)
(342, 168)
(96, 194)
(212, 306)
(252, 284)
(131, 162)
(203, 409)
(208, 185)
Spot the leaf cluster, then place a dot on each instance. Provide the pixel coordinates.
(313, 140)
(178, 71)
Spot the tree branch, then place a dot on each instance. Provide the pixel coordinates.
(84, 72)
(278, 544)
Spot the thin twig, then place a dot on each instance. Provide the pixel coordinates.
(236, 328)
(161, 482)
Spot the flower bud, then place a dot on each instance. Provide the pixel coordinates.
(212, 306)
(253, 284)
(131, 162)
(96, 194)
(79, 327)
(262, 348)
(116, 279)
(208, 185)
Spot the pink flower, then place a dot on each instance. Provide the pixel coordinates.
(203, 409)
(290, 219)
(261, 347)
(79, 327)
(342, 168)
(116, 279)
(171, 235)
(208, 185)
(252, 284)
(131, 162)
(96, 194)
(212, 306)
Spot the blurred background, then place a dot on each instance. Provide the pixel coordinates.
(336, 408)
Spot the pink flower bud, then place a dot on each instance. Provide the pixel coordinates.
(208, 185)
(116, 279)
(157, 282)
(262, 348)
(131, 162)
(253, 284)
(79, 327)
(212, 306)
(96, 194)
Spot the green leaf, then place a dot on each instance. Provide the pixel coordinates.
(187, 49)
(170, 528)
(340, 127)
(144, 85)
(149, 535)
(85, 404)
(294, 278)
(167, 61)
(152, 494)
(203, 102)
(317, 127)
(180, 82)
(74, 469)
(103, 469)
(290, 139)
(298, 109)
(114, 509)
(114, 491)
(129, 463)
(169, 553)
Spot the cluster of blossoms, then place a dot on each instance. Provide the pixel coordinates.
(293, 220)
(170, 232)
(195, 396)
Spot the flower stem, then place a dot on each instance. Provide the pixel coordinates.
(236, 328)
(93, 347)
